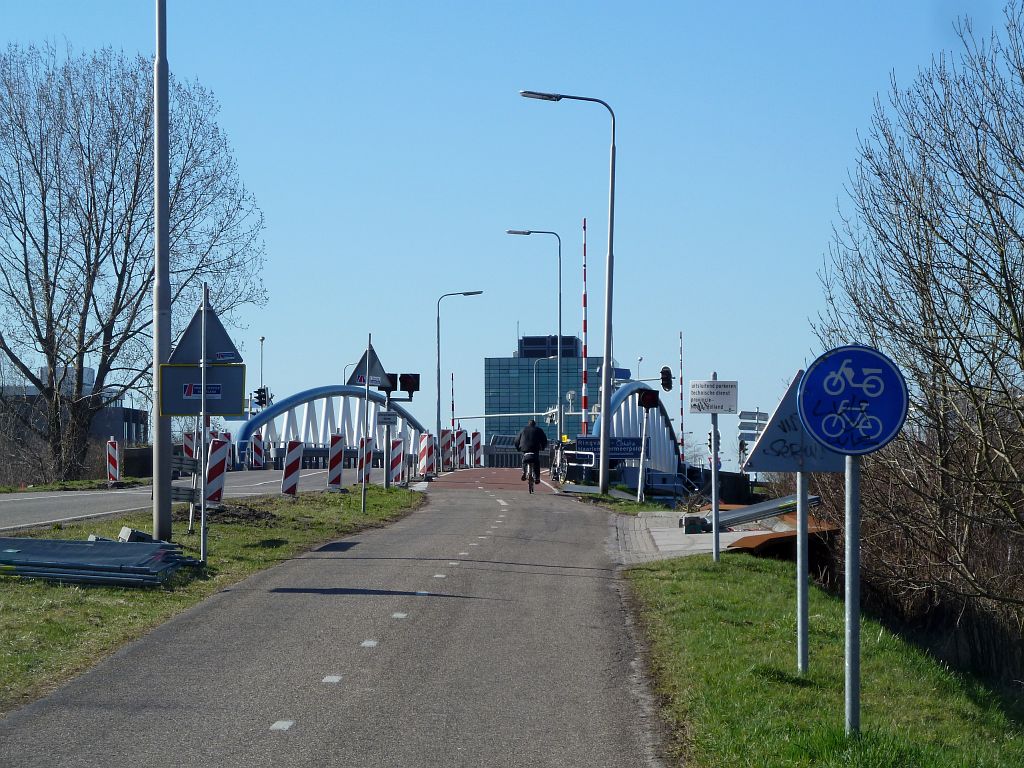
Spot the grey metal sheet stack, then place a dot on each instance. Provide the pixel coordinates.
(91, 562)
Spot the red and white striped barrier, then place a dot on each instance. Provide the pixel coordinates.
(396, 460)
(188, 444)
(113, 462)
(460, 448)
(477, 452)
(256, 451)
(215, 468)
(427, 455)
(446, 449)
(292, 465)
(335, 461)
(365, 458)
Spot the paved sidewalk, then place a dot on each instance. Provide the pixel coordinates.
(634, 539)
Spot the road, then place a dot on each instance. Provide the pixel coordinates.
(488, 628)
(19, 510)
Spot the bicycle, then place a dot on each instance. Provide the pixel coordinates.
(528, 468)
(834, 424)
(559, 465)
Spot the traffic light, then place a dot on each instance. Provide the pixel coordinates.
(409, 383)
(388, 383)
(648, 398)
(710, 446)
(261, 397)
(666, 378)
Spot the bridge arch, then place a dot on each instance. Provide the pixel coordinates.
(627, 420)
(311, 417)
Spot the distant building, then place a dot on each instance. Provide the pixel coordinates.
(126, 424)
(509, 385)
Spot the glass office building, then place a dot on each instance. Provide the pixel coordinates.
(525, 384)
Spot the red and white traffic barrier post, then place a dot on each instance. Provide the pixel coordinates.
(292, 465)
(477, 453)
(365, 459)
(335, 462)
(216, 466)
(427, 467)
(188, 444)
(460, 449)
(446, 450)
(396, 460)
(258, 459)
(113, 462)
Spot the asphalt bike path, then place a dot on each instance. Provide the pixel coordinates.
(486, 629)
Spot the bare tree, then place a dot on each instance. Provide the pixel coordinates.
(76, 230)
(928, 264)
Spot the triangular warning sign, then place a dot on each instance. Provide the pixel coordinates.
(785, 446)
(376, 371)
(219, 347)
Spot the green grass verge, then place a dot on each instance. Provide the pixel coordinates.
(77, 485)
(622, 506)
(723, 655)
(50, 632)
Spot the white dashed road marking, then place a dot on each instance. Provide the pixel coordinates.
(282, 725)
(503, 502)
(369, 644)
(463, 553)
(332, 679)
(399, 615)
(439, 575)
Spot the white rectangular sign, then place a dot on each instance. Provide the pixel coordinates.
(387, 418)
(713, 396)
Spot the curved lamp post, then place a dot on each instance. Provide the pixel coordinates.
(538, 360)
(558, 347)
(456, 293)
(606, 366)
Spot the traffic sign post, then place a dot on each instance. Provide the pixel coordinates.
(714, 397)
(853, 400)
(784, 446)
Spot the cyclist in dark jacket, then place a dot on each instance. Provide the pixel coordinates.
(532, 440)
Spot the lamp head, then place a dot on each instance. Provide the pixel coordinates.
(518, 232)
(540, 95)
(471, 293)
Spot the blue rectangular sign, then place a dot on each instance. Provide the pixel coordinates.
(618, 447)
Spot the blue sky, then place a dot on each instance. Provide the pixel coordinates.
(389, 149)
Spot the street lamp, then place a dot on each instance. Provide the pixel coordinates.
(638, 361)
(539, 359)
(344, 372)
(558, 349)
(456, 293)
(606, 366)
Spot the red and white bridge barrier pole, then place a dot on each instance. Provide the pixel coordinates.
(216, 466)
(256, 451)
(335, 462)
(113, 462)
(188, 444)
(427, 455)
(477, 453)
(460, 449)
(396, 460)
(292, 465)
(365, 459)
(446, 449)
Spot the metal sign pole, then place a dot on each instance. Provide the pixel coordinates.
(387, 440)
(715, 547)
(643, 458)
(204, 462)
(852, 594)
(801, 572)
(366, 427)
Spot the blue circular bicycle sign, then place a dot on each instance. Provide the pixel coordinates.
(853, 400)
